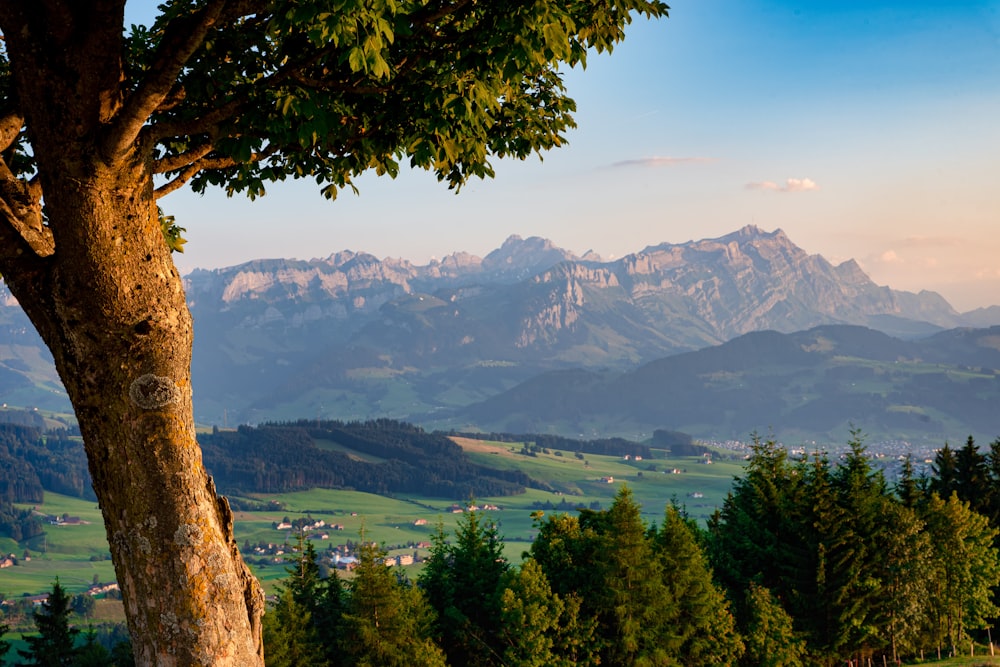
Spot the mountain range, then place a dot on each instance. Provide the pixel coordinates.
(803, 387)
(352, 336)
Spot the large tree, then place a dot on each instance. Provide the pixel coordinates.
(97, 124)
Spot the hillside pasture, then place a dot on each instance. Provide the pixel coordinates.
(76, 553)
(690, 481)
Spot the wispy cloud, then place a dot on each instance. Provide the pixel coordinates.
(931, 241)
(790, 185)
(890, 257)
(658, 161)
(919, 251)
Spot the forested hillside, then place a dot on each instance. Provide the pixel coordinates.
(538, 441)
(32, 461)
(381, 456)
(808, 563)
(805, 386)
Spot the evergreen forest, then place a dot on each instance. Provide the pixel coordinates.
(808, 562)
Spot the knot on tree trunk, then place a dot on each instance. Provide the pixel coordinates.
(150, 391)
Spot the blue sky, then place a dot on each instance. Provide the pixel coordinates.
(865, 130)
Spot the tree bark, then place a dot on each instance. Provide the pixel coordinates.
(111, 307)
(104, 294)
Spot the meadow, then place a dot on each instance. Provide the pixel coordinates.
(78, 554)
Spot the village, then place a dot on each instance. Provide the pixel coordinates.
(342, 556)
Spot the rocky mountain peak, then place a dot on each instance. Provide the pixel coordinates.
(851, 272)
(521, 258)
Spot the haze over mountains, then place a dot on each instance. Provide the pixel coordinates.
(351, 336)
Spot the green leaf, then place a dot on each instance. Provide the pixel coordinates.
(356, 59)
(171, 232)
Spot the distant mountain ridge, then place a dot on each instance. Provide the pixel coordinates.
(351, 336)
(744, 281)
(804, 386)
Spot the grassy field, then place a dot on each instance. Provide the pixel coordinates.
(77, 554)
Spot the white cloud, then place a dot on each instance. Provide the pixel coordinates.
(890, 257)
(800, 185)
(893, 257)
(988, 274)
(790, 185)
(658, 161)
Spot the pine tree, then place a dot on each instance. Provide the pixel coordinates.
(92, 654)
(290, 639)
(697, 627)
(820, 527)
(972, 477)
(833, 545)
(386, 622)
(122, 655)
(462, 582)
(857, 590)
(54, 644)
(291, 636)
(632, 610)
(782, 529)
(539, 628)
(770, 638)
(303, 572)
(609, 560)
(993, 473)
(327, 611)
(943, 473)
(908, 487)
(751, 537)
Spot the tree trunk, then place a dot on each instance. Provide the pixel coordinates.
(111, 307)
(98, 283)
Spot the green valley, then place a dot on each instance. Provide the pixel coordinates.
(76, 553)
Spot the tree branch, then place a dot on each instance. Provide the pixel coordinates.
(21, 208)
(10, 128)
(187, 173)
(291, 71)
(182, 37)
(432, 17)
(177, 182)
(296, 72)
(206, 124)
(181, 160)
(317, 84)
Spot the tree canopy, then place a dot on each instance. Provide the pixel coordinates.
(98, 121)
(241, 93)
